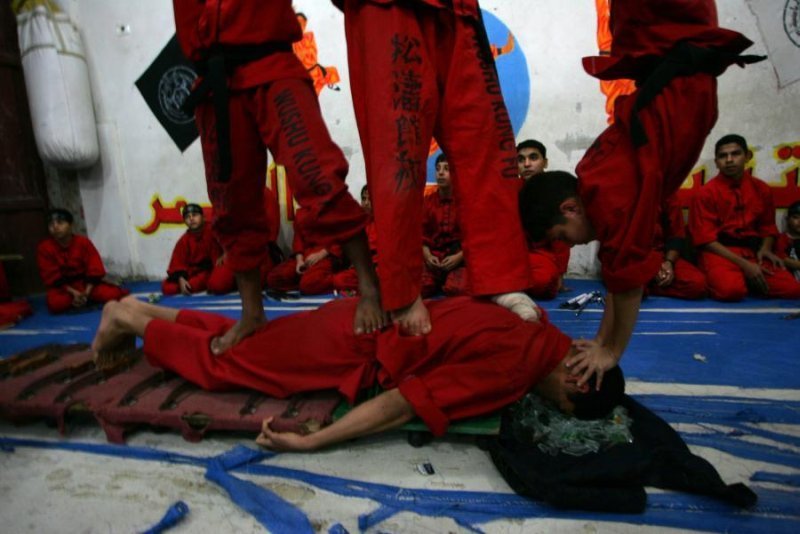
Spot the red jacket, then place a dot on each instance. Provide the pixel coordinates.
(672, 230)
(78, 261)
(203, 24)
(301, 244)
(440, 230)
(723, 210)
(642, 31)
(464, 8)
(194, 252)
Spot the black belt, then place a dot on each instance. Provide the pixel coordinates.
(753, 243)
(220, 61)
(683, 59)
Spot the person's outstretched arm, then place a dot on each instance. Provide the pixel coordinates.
(616, 328)
(384, 412)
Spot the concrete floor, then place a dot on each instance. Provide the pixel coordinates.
(51, 489)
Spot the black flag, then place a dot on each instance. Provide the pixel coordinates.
(165, 85)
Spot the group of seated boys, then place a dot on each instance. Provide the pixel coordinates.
(731, 229)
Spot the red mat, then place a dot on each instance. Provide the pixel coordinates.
(53, 382)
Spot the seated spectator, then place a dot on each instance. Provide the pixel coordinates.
(478, 359)
(347, 280)
(441, 238)
(548, 260)
(787, 246)
(11, 311)
(310, 268)
(197, 263)
(677, 278)
(732, 221)
(71, 268)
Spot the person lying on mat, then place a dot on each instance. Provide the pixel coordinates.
(480, 358)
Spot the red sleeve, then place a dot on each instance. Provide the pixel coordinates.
(766, 222)
(48, 265)
(674, 227)
(187, 16)
(703, 217)
(273, 210)
(782, 245)
(429, 221)
(298, 243)
(95, 270)
(178, 262)
(561, 251)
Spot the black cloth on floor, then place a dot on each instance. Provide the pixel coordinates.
(612, 480)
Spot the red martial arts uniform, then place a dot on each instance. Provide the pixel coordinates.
(548, 261)
(442, 235)
(478, 359)
(739, 216)
(14, 311)
(689, 282)
(315, 279)
(788, 247)
(347, 280)
(194, 258)
(76, 265)
(272, 105)
(423, 68)
(621, 184)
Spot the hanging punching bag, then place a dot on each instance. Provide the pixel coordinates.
(57, 81)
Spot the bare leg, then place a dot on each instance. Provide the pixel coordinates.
(116, 335)
(253, 317)
(414, 319)
(369, 315)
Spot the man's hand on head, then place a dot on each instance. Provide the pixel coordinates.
(592, 359)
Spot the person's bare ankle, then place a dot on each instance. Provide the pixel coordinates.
(413, 319)
(243, 328)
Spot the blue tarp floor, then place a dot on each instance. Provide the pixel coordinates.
(725, 375)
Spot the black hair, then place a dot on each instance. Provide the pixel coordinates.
(595, 404)
(364, 189)
(440, 158)
(533, 143)
(728, 139)
(540, 201)
(793, 209)
(59, 214)
(191, 208)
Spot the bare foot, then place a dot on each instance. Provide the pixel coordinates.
(111, 342)
(519, 303)
(414, 319)
(369, 316)
(243, 328)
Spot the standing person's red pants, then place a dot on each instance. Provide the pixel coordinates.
(418, 71)
(284, 117)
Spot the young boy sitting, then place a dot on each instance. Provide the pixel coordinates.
(787, 247)
(441, 238)
(71, 268)
(197, 262)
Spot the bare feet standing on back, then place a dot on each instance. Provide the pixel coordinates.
(369, 316)
(414, 319)
(253, 317)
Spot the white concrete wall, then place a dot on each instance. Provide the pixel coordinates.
(565, 110)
